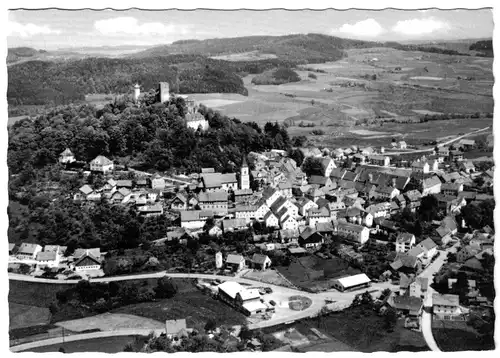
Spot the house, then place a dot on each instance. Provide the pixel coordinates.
(305, 204)
(380, 160)
(350, 283)
(446, 306)
(466, 252)
(101, 164)
(246, 212)
(288, 222)
(83, 193)
(179, 202)
(158, 183)
(467, 166)
(404, 242)
(261, 262)
(310, 238)
(234, 224)
(218, 181)
(420, 167)
(431, 185)
(48, 259)
(334, 209)
(328, 165)
(456, 156)
(418, 288)
(120, 195)
(452, 188)
(288, 236)
(150, 210)
(194, 219)
(402, 145)
(466, 143)
(380, 210)
(325, 228)
(246, 300)
(407, 305)
(125, 183)
(285, 188)
(67, 157)
(429, 248)
(242, 195)
(358, 233)
(270, 195)
(315, 194)
(318, 215)
(406, 263)
(179, 235)
(271, 220)
(176, 329)
(358, 158)
(86, 260)
(215, 201)
(413, 199)
(28, 251)
(320, 181)
(235, 262)
(447, 229)
(386, 192)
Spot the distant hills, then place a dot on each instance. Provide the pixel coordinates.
(189, 65)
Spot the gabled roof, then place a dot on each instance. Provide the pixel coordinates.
(124, 183)
(407, 260)
(407, 303)
(234, 259)
(259, 258)
(181, 198)
(27, 248)
(318, 212)
(102, 160)
(445, 300)
(221, 196)
(86, 189)
(324, 227)
(46, 256)
(430, 182)
(317, 179)
(67, 152)
(278, 203)
(405, 237)
(351, 227)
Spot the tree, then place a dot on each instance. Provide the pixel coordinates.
(245, 333)
(312, 166)
(297, 155)
(390, 319)
(165, 288)
(210, 325)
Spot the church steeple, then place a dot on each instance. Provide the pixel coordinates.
(244, 175)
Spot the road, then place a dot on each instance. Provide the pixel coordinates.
(83, 336)
(427, 310)
(438, 145)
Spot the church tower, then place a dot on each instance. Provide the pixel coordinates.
(163, 92)
(137, 92)
(244, 175)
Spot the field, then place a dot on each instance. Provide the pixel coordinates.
(101, 345)
(314, 273)
(110, 322)
(189, 303)
(22, 316)
(245, 56)
(407, 84)
(267, 276)
(453, 336)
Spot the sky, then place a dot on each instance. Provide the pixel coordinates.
(55, 29)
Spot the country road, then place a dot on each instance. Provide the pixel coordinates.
(438, 145)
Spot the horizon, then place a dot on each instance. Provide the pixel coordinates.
(53, 29)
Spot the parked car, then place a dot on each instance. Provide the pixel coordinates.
(268, 290)
(272, 303)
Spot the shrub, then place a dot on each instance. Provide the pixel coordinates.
(312, 75)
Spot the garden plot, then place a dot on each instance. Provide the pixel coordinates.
(110, 322)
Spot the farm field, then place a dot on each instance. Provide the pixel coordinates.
(314, 273)
(407, 84)
(22, 316)
(101, 345)
(110, 322)
(189, 303)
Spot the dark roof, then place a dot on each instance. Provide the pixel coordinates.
(407, 303)
(259, 259)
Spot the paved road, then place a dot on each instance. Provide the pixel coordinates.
(427, 311)
(438, 145)
(83, 336)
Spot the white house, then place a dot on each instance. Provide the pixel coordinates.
(66, 157)
(48, 259)
(446, 306)
(87, 261)
(404, 242)
(101, 164)
(318, 215)
(328, 165)
(420, 167)
(271, 220)
(28, 251)
(194, 219)
(360, 234)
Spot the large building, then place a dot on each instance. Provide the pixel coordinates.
(352, 282)
(243, 299)
(101, 164)
(214, 201)
(244, 176)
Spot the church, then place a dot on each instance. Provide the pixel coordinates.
(193, 118)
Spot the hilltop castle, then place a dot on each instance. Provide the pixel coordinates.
(194, 119)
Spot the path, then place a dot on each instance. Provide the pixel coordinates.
(438, 145)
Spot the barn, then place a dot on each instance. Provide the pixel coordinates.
(352, 282)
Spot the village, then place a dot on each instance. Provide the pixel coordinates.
(348, 211)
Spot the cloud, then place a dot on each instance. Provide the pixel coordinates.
(131, 26)
(426, 26)
(26, 30)
(364, 28)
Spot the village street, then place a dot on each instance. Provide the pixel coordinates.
(429, 273)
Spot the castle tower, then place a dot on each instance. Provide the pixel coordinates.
(137, 92)
(244, 176)
(164, 92)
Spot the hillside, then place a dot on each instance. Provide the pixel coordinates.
(38, 82)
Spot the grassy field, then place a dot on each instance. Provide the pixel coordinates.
(190, 304)
(110, 322)
(454, 336)
(314, 273)
(34, 294)
(22, 316)
(100, 345)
